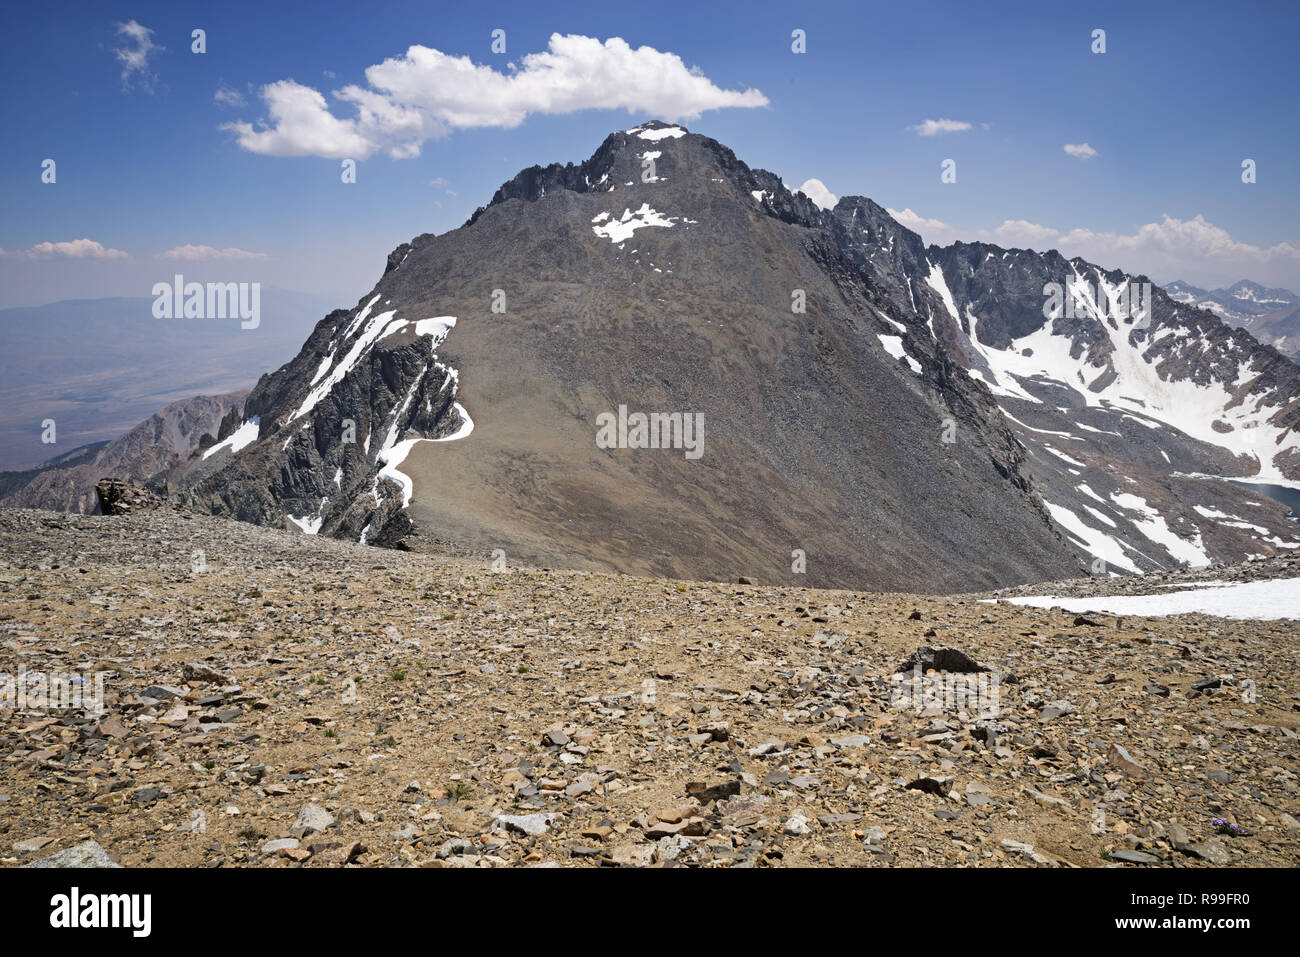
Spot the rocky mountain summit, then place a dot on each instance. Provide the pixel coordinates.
(275, 699)
(456, 407)
(873, 412)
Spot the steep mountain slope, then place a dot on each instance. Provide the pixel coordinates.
(459, 406)
(67, 483)
(1118, 406)
(660, 276)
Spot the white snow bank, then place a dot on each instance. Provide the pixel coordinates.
(1153, 526)
(245, 435)
(667, 132)
(894, 346)
(1097, 543)
(392, 458)
(621, 230)
(1257, 601)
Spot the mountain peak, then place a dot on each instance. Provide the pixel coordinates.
(821, 352)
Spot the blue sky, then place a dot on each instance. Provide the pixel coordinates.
(1184, 92)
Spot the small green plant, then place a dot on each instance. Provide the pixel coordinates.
(397, 675)
(459, 791)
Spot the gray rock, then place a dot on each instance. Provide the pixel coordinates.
(717, 792)
(312, 819)
(1120, 758)
(942, 659)
(198, 671)
(670, 848)
(1179, 837)
(851, 741)
(1134, 857)
(530, 825)
(86, 854)
(1055, 709)
(283, 844)
(1212, 851)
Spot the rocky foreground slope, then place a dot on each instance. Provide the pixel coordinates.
(282, 700)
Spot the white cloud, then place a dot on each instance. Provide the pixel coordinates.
(135, 56)
(1080, 150)
(425, 93)
(940, 126)
(191, 253)
(73, 249)
(228, 96)
(1170, 243)
(816, 190)
(927, 228)
(1021, 233)
(301, 126)
(1192, 248)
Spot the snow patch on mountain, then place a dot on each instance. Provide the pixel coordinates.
(243, 436)
(1095, 542)
(620, 230)
(1277, 598)
(894, 346)
(1128, 379)
(663, 132)
(939, 284)
(1153, 525)
(394, 454)
(374, 329)
(310, 524)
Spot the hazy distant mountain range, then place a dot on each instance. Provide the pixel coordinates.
(1271, 315)
(98, 367)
